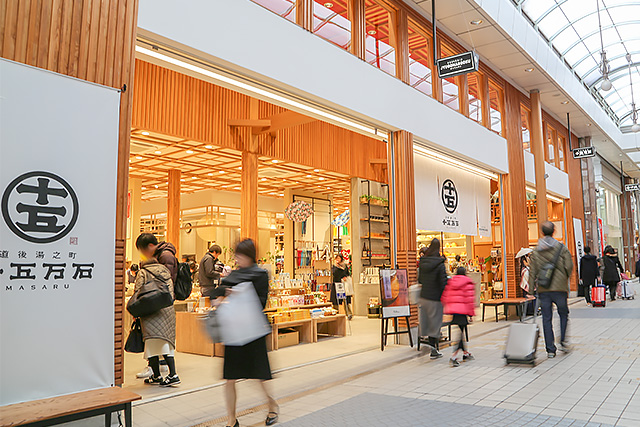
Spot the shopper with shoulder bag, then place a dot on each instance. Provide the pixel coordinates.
(157, 318)
(551, 267)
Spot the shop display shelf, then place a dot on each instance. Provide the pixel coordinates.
(383, 221)
(295, 307)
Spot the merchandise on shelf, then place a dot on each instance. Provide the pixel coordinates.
(370, 276)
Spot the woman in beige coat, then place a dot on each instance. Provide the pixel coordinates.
(159, 328)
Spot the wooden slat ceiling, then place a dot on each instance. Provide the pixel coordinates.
(206, 166)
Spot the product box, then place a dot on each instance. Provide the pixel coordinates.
(287, 338)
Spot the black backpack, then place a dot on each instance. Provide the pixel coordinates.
(183, 285)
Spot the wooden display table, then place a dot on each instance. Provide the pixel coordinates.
(519, 303)
(191, 336)
(304, 327)
(335, 326)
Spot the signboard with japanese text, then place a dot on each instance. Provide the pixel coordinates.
(579, 238)
(456, 65)
(584, 152)
(632, 187)
(450, 199)
(394, 289)
(58, 159)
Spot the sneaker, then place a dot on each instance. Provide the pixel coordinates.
(564, 347)
(468, 356)
(170, 381)
(435, 354)
(454, 363)
(551, 355)
(145, 373)
(153, 380)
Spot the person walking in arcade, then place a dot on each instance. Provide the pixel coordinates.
(458, 299)
(432, 275)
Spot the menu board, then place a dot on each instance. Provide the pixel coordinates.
(394, 292)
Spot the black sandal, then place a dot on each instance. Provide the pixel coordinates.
(271, 419)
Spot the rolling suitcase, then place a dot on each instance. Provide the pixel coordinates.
(626, 289)
(599, 295)
(522, 342)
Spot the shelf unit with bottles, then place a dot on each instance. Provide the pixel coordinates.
(375, 224)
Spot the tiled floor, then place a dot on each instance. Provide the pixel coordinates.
(598, 383)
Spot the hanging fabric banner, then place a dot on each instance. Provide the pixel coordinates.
(449, 199)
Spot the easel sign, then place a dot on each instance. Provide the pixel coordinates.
(394, 290)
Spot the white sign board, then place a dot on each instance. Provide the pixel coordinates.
(579, 238)
(632, 187)
(450, 199)
(58, 158)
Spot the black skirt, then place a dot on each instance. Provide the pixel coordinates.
(460, 320)
(248, 361)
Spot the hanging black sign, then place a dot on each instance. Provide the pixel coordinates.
(632, 187)
(456, 65)
(584, 152)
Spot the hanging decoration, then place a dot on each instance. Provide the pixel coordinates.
(342, 219)
(298, 211)
(604, 62)
(634, 112)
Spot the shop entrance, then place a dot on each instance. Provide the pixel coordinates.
(198, 181)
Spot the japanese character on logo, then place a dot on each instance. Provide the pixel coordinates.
(57, 269)
(83, 271)
(39, 207)
(449, 196)
(23, 271)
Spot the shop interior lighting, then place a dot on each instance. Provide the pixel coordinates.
(476, 22)
(210, 174)
(328, 5)
(274, 161)
(221, 172)
(528, 70)
(454, 162)
(139, 157)
(145, 133)
(256, 90)
(208, 146)
(189, 151)
(316, 170)
(158, 152)
(564, 102)
(549, 196)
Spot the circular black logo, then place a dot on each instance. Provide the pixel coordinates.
(40, 207)
(449, 196)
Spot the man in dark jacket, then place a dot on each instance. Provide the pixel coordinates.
(589, 272)
(546, 252)
(164, 252)
(612, 269)
(209, 271)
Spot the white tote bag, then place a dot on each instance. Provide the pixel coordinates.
(240, 317)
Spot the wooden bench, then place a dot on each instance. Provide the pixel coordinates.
(70, 407)
(518, 303)
(336, 325)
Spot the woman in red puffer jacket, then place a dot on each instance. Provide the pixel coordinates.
(459, 299)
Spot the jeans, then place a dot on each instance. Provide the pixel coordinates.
(547, 299)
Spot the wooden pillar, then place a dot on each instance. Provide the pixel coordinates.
(402, 45)
(69, 38)
(513, 193)
(358, 27)
(405, 208)
(249, 184)
(304, 14)
(538, 147)
(173, 209)
(135, 205)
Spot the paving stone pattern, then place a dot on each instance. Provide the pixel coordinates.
(371, 409)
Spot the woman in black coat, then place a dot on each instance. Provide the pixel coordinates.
(612, 269)
(250, 360)
(432, 275)
(339, 271)
(589, 272)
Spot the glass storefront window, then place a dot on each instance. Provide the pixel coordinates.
(474, 81)
(450, 90)
(496, 107)
(420, 60)
(284, 8)
(525, 125)
(561, 153)
(331, 22)
(379, 50)
(608, 206)
(551, 145)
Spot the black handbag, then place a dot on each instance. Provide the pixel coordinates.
(153, 296)
(135, 342)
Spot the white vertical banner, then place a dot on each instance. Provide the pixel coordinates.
(450, 199)
(579, 238)
(58, 160)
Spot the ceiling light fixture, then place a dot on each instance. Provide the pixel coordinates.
(321, 179)
(263, 179)
(635, 128)
(189, 151)
(316, 170)
(145, 133)
(528, 70)
(371, 32)
(221, 172)
(256, 90)
(158, 152)
(274, 161)
(564, 102)
(139, 157)
(208, 146)
(210, 174)
(328, 5)
(604, 63)
(454, 162)
(308, 176)
(477, 22)
(194, 177)
(589, 124)
(155, 186)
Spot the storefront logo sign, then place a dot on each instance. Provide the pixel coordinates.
(584, 152)
(449, 196)
(632, 187)
(39, 207)
(458, 64)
